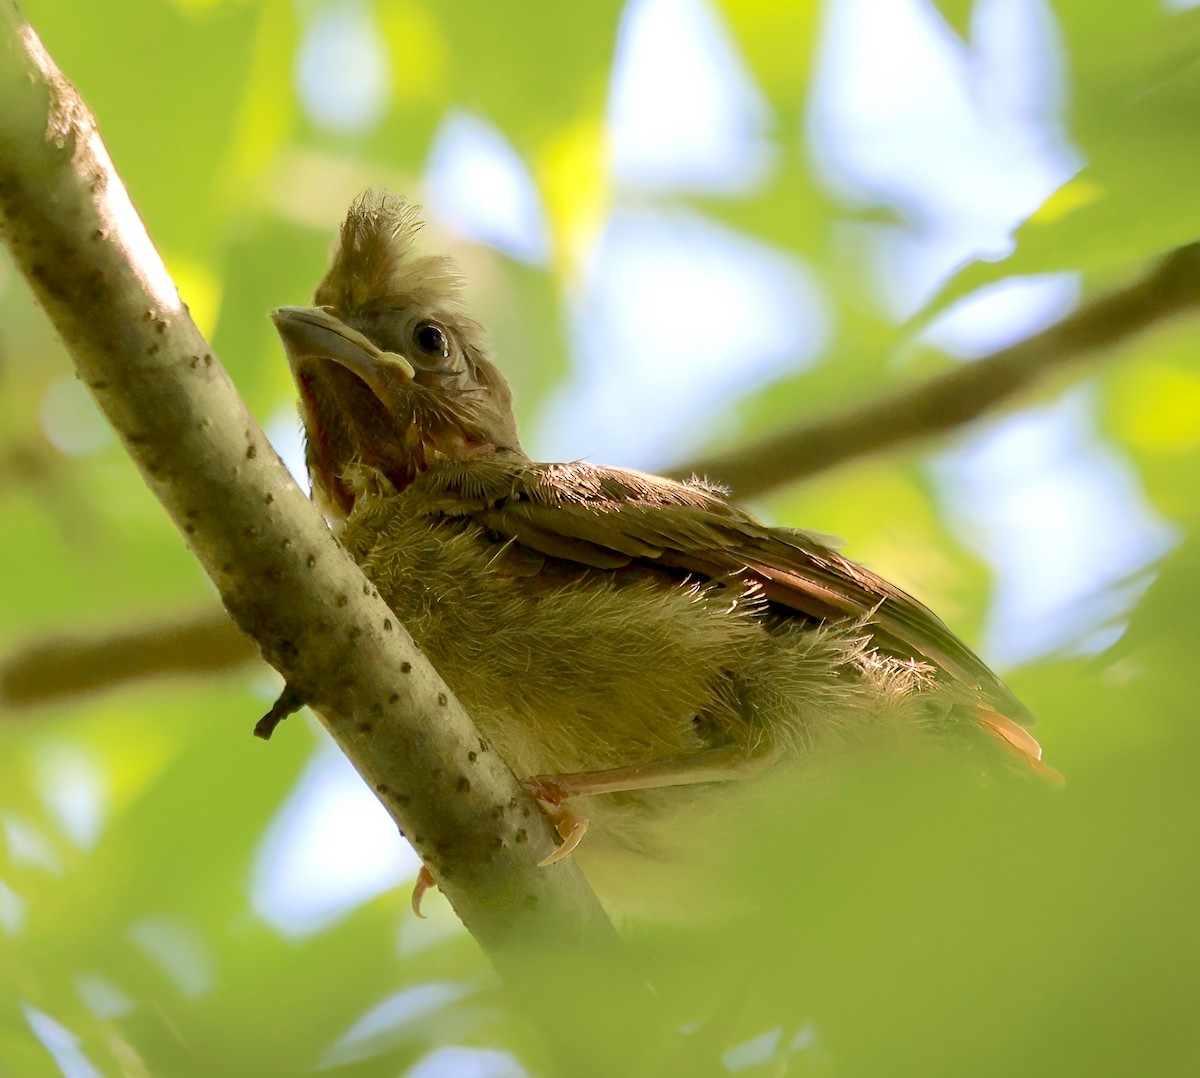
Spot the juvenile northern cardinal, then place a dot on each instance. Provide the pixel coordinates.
(616, 636)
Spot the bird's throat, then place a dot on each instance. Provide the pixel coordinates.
(351, 434)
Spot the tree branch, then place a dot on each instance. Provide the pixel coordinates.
(283, 577)
(962, 395)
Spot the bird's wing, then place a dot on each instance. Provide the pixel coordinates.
(610, 517)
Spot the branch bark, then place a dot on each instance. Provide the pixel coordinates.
(958, 397)
(282, 576)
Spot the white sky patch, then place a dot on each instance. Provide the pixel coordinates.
(330, 848)
(103, 998)
(390, 1021)
(61, 1043)
(479, 186)
(966, 143)
(179, 949)
(1060, 518)
(73, 788)
(683, 112)
(283, 431)
(13, 909)
(678, 317)
(70, 419)
(461, 1062)
(752, 1053)
(342, 74)
(1003, 313)
(770, 1047)
(28, 845)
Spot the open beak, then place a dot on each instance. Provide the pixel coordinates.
(312, 334)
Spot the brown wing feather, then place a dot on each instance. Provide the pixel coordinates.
(610, 517)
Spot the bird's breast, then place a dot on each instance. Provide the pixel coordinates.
(563, 670)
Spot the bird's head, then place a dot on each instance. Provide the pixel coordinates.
(393, 376)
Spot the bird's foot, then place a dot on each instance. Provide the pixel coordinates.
(425, 882)
(570, 825)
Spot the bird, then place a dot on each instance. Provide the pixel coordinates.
(634, 647)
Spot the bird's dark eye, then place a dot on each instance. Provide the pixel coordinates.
(431, 339)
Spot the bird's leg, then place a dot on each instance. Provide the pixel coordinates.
(728, 763)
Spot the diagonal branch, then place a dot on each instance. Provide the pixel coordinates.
(960, 396)
(282, 576)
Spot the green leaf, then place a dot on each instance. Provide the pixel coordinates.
(957, 14)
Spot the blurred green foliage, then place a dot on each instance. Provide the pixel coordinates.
(908, 922)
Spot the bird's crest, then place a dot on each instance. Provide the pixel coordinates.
(373, 262)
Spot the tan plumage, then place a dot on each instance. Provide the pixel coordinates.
(595, 618)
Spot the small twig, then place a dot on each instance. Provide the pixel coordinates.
(962, 395)
(290, 701)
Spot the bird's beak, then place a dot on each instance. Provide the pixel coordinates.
(313, 334)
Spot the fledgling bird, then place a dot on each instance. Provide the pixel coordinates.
(630, 645)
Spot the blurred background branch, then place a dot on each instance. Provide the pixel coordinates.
(50, 667)
(962, 395)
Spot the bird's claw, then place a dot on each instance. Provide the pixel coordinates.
(425, 882)
(572, 828)
(570, 825)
